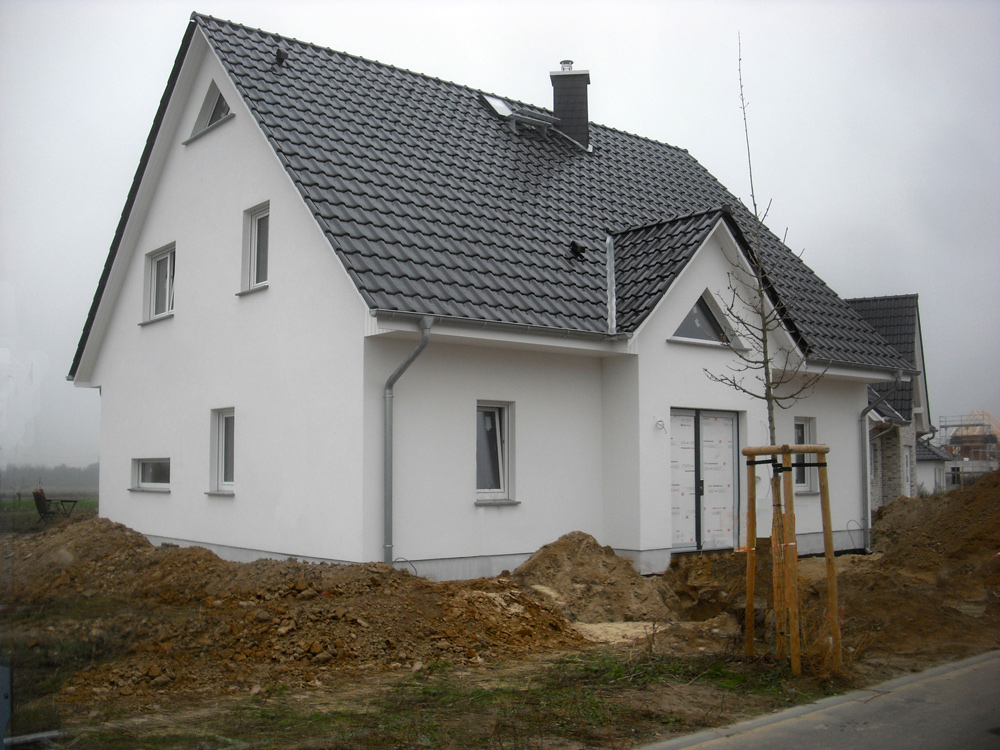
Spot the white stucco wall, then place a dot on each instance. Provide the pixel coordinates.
(672, 375)
(287, 358)
(556, 452)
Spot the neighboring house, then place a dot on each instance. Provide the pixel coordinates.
(901, 413)
(933, 468)
(352, 313)
(972, 441)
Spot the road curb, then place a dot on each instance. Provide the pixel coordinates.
(690, 740)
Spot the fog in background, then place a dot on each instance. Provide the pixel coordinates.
(874, 128)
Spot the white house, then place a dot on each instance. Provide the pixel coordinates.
(355, 313)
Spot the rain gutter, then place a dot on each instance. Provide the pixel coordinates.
(504, 326)
(425, 324)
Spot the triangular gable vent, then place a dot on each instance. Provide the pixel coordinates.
(214, 110)
(702, 323)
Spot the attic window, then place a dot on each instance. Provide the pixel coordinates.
(499, 106)
(515, 116)
(214, 110)
(701, 324)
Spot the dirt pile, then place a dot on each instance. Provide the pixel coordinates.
(184, 620)
(927, 587)
(590, 583)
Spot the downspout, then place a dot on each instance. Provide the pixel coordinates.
(866, 490)
(612, 299)
(424, 325)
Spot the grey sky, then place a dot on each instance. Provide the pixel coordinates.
(875, 129)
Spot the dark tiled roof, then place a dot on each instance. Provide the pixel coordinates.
(896, 320)
(437, 206)
(884, 408)
(648, 259)
(929, 452)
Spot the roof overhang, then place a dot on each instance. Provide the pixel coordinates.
(392, 324)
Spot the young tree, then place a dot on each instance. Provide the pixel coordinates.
(766, 369)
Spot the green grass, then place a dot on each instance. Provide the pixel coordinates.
(593, 698)
(21, 516)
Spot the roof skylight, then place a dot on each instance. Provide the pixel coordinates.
(499, 106)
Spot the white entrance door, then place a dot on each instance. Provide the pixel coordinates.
(703, 449)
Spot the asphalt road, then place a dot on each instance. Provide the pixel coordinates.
(952, 707)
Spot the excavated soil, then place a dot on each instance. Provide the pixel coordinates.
(164, 622)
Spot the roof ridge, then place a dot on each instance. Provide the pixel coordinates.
(721, 209)
(198, 17)
(914, 295)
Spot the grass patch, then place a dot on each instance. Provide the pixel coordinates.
(21, 516)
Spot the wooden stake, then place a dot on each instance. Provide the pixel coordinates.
(791, 566)
(751, 545)
(833, 612)
(778, 568)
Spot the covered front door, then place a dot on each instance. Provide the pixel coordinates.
(703, 470)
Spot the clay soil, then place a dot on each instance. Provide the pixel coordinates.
(104, 630)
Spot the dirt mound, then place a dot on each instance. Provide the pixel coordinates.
(182, 620)
(937, 532)
(590, 583)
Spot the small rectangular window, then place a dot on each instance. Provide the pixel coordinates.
(256, 245)
(806, 479)
(493, 451)
(224, 450)
(151, 473)
(160, 267)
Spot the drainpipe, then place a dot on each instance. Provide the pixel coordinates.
(866, 490)
(424, 325)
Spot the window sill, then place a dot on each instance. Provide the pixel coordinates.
(251, 290)
(157, 319)
(496, 501)
(698, 342)
(221, 493)
(209, 129)
(162, 490)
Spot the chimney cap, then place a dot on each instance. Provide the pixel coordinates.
(566, 65)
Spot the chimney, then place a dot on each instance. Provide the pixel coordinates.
(569, 95)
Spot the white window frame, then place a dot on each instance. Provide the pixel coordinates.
(220, 482)
(503, 414)
(806, 478)
(166, 254)
(251, 248)
(138, 464)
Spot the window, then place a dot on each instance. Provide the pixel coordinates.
(806, 479)
(256, 232)
(224, 450)
(706, 322)
(151, 474)
(214, 110)
(160, 283)
(493, 451)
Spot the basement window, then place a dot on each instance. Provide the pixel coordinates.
(151, 474)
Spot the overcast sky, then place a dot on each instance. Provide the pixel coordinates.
(875, 129)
